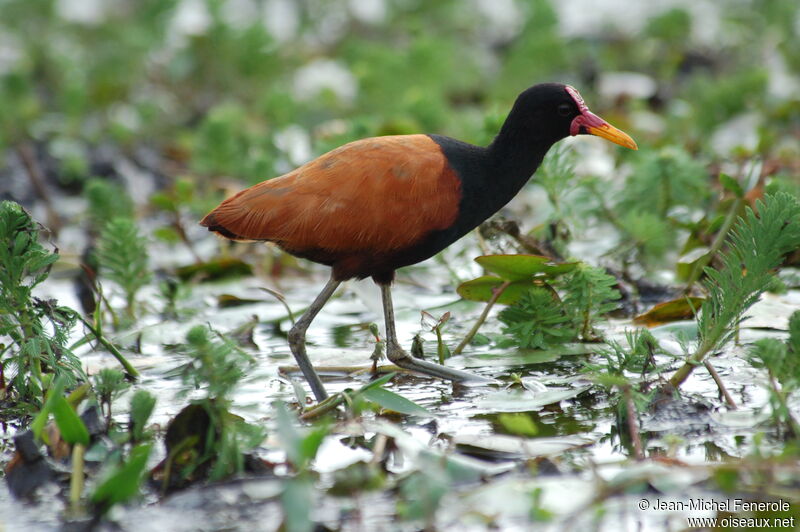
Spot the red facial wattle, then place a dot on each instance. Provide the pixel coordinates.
(589, 123)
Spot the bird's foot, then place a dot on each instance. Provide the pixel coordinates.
(400, 357)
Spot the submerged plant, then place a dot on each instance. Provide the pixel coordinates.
(637, 357)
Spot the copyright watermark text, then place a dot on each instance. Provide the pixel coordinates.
(734, 506)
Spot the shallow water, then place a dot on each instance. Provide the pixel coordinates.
(576, 423)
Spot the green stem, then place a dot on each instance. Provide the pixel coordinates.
(711, 339)
(440, 350)
(722, 389)
(692, 362)
(129, 369)
(324, 407)
(482, 318)
(76, 480)
(633, 425)
(703, 261)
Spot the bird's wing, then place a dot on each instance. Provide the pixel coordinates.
(379, 195)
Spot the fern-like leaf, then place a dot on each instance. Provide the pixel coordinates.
(756, 247)
(122, 254)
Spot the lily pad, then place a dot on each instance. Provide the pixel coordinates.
(683, 308)
(213, 270)
(483, 289)
(521, 267)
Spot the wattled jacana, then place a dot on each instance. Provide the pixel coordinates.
(375, 205)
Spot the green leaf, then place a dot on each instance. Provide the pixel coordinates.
(123, 481)
(397, 403)
(482, 289)
(731, 185)
(298, 499)
(310, 443)
(55, 392)
(523, 267)
(71, 426)
(380, 381)
(757, 244)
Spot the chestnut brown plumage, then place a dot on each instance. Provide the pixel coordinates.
(378, 204)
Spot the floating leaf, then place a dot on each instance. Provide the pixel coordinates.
(513, 445)
(521, 266)
(518, 424)
(515, 400)
(397, 403)
(683, 308)
(213, 270)
(231, 301)
(523, 357)
(682, 332)
(483, 288)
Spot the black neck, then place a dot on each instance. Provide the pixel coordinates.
(492, 176)
(517, 150)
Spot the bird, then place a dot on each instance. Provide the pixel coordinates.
(375, 205)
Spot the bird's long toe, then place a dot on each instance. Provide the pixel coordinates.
(401, 358)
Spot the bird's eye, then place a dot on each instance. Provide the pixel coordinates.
(564, 109)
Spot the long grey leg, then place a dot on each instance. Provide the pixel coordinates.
(297, 339)
(397, 355)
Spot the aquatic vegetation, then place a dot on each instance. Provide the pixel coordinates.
(757, 246)
(37, 331)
